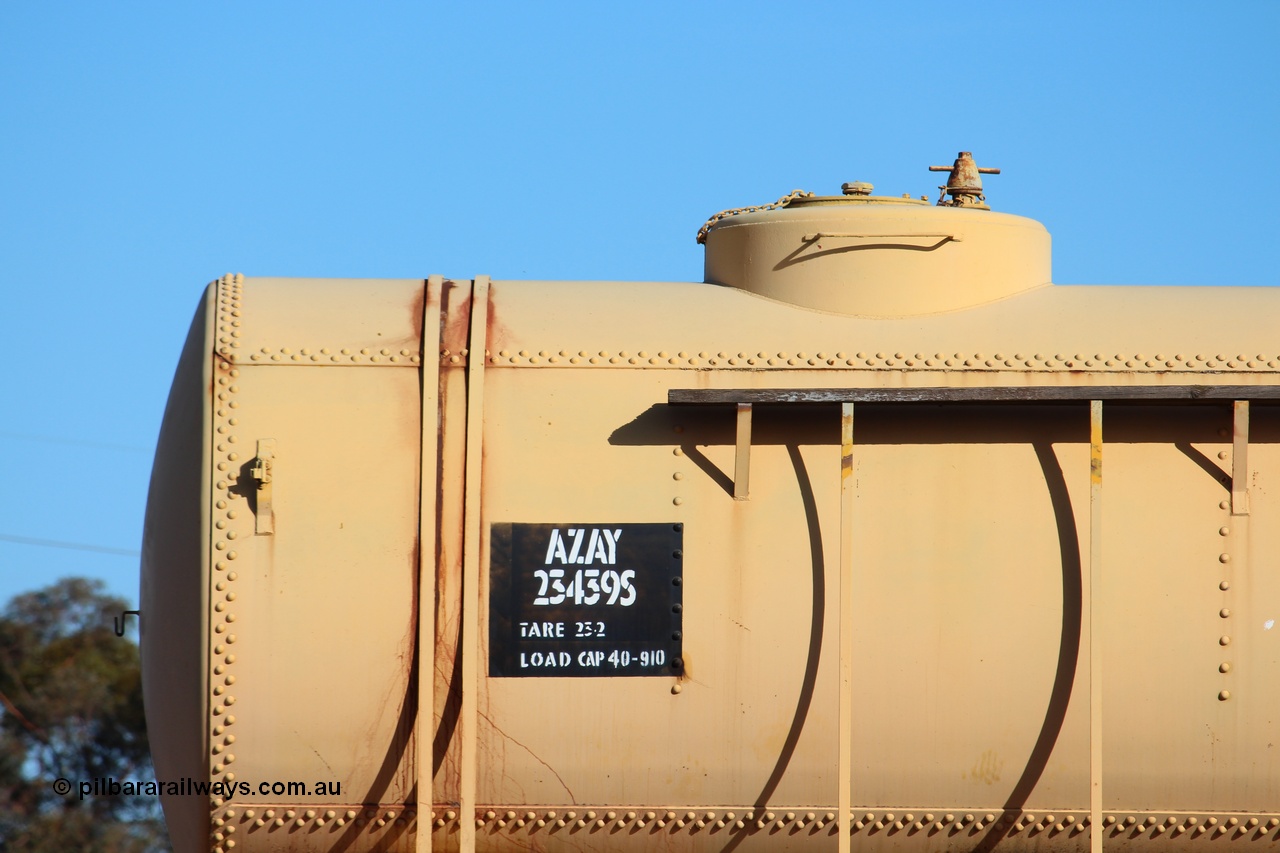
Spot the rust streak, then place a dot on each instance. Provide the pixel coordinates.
(319, 756)
(497, 335)
(572, 799)
(415, 312)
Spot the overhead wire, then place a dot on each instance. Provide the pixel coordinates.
(73, 546)
(97, 445)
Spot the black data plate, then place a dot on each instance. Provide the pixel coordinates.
(580, 600)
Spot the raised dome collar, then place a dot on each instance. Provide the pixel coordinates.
(881, 256)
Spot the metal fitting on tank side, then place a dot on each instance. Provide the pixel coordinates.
(856, 188)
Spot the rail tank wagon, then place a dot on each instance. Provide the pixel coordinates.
(876, 539)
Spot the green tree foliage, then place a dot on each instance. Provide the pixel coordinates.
(71, 708)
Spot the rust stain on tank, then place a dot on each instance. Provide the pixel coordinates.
(496, 333)
(986, 768)
(455, 322)
(415, 311)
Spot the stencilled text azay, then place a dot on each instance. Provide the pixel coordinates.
(581, 546)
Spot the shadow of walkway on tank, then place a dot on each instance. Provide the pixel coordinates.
(1040, 426)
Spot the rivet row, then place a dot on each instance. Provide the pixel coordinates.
(283, 818)
(883, 359)
(911, 822)
(230, 294)
(492, 820)
(613, 819)
(1224, 585)
(334, 355)
(228, 526)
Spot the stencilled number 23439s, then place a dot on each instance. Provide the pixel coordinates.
(586, 586)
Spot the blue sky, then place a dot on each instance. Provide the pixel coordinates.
(147, 148)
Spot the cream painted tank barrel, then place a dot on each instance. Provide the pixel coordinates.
(875, 540)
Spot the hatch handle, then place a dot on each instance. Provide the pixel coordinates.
(826, 235)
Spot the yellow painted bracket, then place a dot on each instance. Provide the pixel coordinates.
(742, 454)
(1240, 458)
(844, 763)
